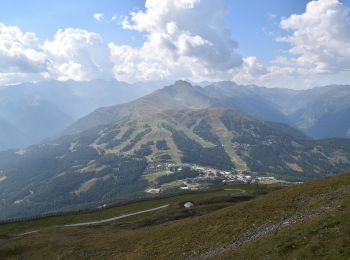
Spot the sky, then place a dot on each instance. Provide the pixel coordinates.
(291, 43)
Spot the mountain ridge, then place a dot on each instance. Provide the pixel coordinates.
(293, 107)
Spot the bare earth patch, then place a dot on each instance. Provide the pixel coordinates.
(294, 167)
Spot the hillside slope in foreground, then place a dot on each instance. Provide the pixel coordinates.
(306, 221)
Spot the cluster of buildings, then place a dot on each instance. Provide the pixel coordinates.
(154, 190)
(154, 167)
(207, 175)
(190, 186)
(224, 175)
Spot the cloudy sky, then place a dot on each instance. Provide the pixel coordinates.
(289, 43)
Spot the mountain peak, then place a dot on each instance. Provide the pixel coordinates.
(182, 83)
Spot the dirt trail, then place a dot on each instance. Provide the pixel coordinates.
(115, 218)
(99, 221)
(240, 190)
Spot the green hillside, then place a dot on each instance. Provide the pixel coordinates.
(307, 221)
(114, 163)
(226, 140)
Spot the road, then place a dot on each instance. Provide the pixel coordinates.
(240, 190)
(28, 233)
(100, 221)
(115, 218)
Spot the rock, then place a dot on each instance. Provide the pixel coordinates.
(188, 205)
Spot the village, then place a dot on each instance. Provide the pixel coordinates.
(207, 175)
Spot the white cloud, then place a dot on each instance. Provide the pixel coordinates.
(177, 47)
(319, 52)
(250, 71)
(98, 16)
(79, 55)
(320, 37)
(184, 39)
(20, 52)
(72, 54)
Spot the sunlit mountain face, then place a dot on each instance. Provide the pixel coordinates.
(225, 125)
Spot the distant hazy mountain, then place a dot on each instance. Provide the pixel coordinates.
(9, 135)
(322, 112)
(32, 119)
(41, 110)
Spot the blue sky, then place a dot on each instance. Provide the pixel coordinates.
(254, 24)
(251, 22)
(46, 17)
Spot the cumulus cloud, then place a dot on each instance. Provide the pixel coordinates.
(175, 45)
(20, 52)
(319, 52)
(72, 54)
(98, 16)
(251, 71)
(320, 37)
(78, 54)
(185, 39)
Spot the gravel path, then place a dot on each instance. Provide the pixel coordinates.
(100, 221)
(116, 218)
(29, 233)
(240, 190)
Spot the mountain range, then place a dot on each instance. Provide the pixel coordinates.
(321, 112)
(36, 111)
(105, 156)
